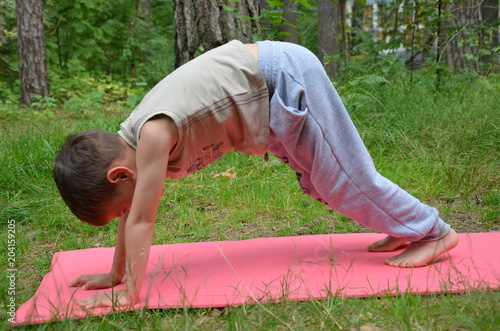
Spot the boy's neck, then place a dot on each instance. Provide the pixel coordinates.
(128, 158)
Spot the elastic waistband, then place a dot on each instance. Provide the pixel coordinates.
(278, 56)
(270, 53)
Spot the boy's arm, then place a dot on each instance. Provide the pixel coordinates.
(157, 138)
(118, 267)
(115, 276)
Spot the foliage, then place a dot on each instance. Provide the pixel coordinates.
(451, 145)
(8, 45)
(91, 45)
(410, 30)
(272, 19)
(111, 37)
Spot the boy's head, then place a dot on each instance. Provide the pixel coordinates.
(81, 173)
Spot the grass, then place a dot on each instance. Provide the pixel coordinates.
(440, 145)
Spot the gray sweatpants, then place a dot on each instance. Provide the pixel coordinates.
(312, 132)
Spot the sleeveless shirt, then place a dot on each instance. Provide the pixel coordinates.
(219, 102)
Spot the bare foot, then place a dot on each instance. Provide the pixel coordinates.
(420, 253)
(388, 244)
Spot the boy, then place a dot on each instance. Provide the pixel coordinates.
(248, 98)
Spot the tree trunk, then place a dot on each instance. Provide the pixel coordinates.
(201, 25)
(328, 31)
(3, 42)
(290, 16)
(3, 36)
(459, 35)
(146, 12)
(489, 29)
(289, 11)
(31, 49)
(142, 11)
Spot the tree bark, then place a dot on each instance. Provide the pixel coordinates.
(289, 11)
(3, 42)
(142, 11)
(146, 10)
(489, 29)
(290, 16)
(201, 25)
(328, 31)
(31, 48)
(459, 34)
(3, 37)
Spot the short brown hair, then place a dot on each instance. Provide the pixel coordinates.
(80, 172)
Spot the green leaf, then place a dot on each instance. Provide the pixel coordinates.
(275, 3)
(470, 57)
(484, 51)
(257, 37)
(304, 3)
(229, 8)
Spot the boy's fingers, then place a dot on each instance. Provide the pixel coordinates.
(95, 301)
(88, 282)
(77, 282)
(94, 285)
(88, 302)
(109, 299)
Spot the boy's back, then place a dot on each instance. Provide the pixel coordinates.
(219, 102)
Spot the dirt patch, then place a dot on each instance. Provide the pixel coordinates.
(469, 222)
(467, 217)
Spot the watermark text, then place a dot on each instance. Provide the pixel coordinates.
(11, 270)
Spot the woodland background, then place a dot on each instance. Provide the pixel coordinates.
(73, 53)
(420, 80)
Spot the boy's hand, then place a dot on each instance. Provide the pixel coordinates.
(116, 298)
(96, 281)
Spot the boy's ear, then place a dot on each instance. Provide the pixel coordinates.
(117, 174)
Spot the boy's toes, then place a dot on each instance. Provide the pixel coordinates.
(398, 263)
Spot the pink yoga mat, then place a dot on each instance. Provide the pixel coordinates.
(217, 274)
